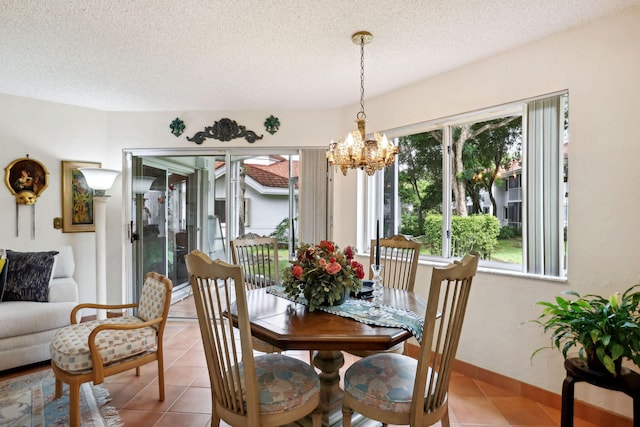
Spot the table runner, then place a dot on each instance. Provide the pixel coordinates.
(359, 310)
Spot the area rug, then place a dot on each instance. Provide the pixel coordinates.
(28, 401)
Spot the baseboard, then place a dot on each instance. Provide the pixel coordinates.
(583, 410)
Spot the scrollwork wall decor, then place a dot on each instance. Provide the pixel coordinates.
(177, 127)
(225, 130)
(272, 124)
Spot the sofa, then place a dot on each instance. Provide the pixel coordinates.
(27, 327)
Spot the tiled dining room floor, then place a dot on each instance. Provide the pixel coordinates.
(187, 402)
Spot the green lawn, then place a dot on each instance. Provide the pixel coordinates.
(508, 250)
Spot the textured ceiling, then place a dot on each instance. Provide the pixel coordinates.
(155, 55)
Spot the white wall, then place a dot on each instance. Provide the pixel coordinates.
(49, 133)
(598, 63)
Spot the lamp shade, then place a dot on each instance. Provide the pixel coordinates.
(142, 184)
(100, 180)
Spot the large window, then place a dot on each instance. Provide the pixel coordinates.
(492, 181)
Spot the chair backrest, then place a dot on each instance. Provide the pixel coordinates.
(155, 299)
(258, 257)
(399, 256)
(216, 287)
(446, 307)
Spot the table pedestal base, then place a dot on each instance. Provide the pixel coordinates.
(329, 363)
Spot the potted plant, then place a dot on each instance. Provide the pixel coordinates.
(606, 329)
(323, 273)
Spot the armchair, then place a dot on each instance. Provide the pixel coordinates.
(91, 351)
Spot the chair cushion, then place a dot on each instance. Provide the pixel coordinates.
(383, 380)
(152, 299)
(70, 346)
(283, 382)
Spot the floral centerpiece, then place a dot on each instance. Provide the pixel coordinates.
(323, 273)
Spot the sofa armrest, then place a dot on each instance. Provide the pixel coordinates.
(63, 289)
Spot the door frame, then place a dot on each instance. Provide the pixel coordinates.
(128, 290)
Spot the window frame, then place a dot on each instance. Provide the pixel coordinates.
(374, 190)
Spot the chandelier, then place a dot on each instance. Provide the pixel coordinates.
(356, 151)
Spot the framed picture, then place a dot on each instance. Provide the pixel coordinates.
(77, 198)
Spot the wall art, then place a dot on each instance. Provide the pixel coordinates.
(26, 179)
(177, 127)
(225, 130)
(77, 198)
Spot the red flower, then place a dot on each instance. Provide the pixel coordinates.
(297, 271)
(327, 246)
(348, 251)
(333, 268)
(358, 268)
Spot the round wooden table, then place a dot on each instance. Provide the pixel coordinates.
(291, 326)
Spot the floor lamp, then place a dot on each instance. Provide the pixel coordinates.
(100, 180)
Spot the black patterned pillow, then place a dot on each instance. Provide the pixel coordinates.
(28, 275)
(4, 267)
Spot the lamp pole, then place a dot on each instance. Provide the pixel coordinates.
(100, 220)
(100, 180)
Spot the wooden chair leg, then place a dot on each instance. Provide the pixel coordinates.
(311, 353)
(347, 413)
(161, 378)
(316, 418)
(445, 419)
(59, 386)
(74, 404)
(137, 371)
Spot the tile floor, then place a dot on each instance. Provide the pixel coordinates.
(187, 402)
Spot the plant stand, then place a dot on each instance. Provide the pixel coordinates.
(627, 382)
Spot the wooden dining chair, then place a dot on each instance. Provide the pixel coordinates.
(258, 258)
(91, 351)
(397, 389)
(399, 256)
(246, 390)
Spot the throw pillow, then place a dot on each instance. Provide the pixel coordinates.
(3, 275)
(28, 276)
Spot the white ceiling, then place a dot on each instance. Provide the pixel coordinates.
(176, 55)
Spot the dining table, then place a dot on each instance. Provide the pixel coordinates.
(289, 325)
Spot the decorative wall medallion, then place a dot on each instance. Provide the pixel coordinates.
(26, 179)
(177, 127)
(272, 124)
(225, 130)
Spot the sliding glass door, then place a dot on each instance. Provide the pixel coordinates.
(181, 203)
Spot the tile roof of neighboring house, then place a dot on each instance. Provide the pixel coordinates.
(275, 175)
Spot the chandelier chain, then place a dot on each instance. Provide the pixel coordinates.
(361, 114)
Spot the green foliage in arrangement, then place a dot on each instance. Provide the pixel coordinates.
(324, 274)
